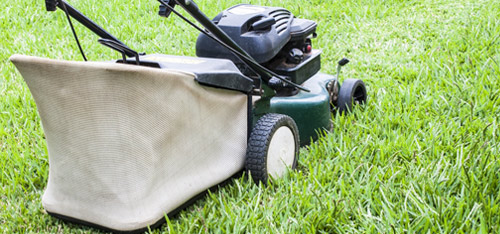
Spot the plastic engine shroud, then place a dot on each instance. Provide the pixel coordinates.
(260, 31)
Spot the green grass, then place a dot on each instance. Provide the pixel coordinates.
(421, 156)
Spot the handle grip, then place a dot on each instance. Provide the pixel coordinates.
(164, 10)
(51, 5)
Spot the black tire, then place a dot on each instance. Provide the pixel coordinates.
(260, 160)
(352, 92)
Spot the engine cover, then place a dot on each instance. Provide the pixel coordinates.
(260, 31)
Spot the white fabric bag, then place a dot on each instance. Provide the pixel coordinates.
(128, 144)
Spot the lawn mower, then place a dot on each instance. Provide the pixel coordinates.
(136, 138)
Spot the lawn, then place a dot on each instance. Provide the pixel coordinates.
(421, 156)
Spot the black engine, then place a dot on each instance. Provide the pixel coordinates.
(271, 35)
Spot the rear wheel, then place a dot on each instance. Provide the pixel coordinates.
(272, 148)
(352, 92)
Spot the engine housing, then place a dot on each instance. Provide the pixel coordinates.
(261, 31)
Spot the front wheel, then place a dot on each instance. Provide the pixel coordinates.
(273, 147)
(352, 92)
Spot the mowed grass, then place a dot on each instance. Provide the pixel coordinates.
(421, 156)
